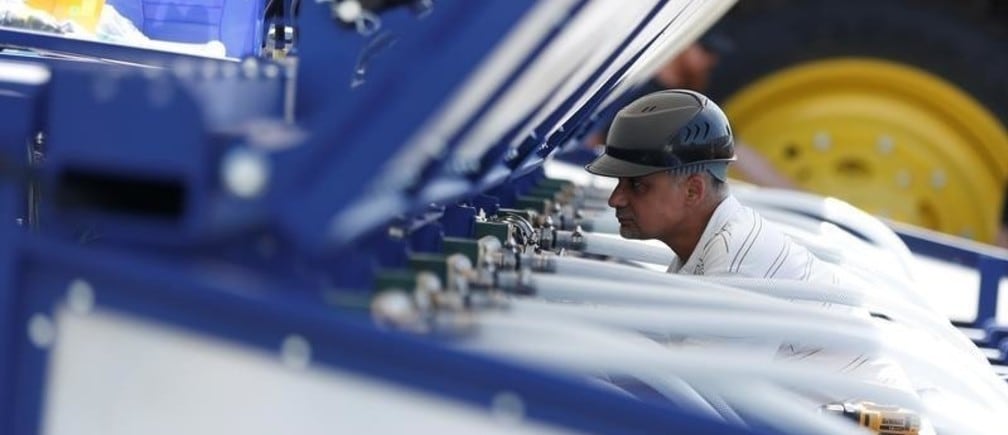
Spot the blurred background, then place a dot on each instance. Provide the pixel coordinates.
(898, 106)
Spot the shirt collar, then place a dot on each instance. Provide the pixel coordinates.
(724, 211)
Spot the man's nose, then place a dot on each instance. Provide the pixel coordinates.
(617, 199)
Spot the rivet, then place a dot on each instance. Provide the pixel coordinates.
(821, 141)
(885, 144)
(508, 407)
(349, 11)
(209, 69)
(938, 179)
(903, 178)
(80, 296)
(245, 173)
(41, 331)
(295, 352)
(184, 69)
(229, 70)
(271, 71)
(250, 68)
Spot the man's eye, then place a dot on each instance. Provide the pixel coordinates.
(636, 185)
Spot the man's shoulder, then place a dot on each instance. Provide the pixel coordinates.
(734, 222)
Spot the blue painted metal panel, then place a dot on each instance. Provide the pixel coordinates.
(173, 145)
(400, 89)
(991, 267)
(18, 110)
(246, 314)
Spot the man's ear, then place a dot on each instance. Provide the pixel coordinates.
(695, 189)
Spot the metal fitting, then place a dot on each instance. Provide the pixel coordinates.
(394, 309)
(537, 262)
(573, 240)
(515, 281)
(459, 273)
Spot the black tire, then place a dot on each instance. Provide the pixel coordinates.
(963, 41)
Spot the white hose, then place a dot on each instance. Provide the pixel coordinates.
(831, 209)
(590, 349)
(580, 267)
(837, 333)
(685, 396)
(849, 334)
(607, 286)
(601, 244)
(603, 291)
(578, 279)
(793, 289)
(669, 299)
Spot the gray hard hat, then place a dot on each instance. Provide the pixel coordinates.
(667, 130)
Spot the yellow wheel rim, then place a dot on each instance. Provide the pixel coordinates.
(894, 140)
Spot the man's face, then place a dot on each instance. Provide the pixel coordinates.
(696, 66)
(691, 69)
(648, 207)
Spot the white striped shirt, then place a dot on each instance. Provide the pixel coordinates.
(739, 242)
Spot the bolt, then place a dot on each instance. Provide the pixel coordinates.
(229, 70)
(250, 68)
(80, 296)
(821, 141)
(295, 352)
(395, 309)
(938, 179)
(508, 407)
(184, 69)
(245, 173)
(903, 178)
(41, 331)
(885, 144)
(348, 11)
(271, 71)
(209, 69)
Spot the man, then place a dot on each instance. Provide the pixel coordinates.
(670, 150)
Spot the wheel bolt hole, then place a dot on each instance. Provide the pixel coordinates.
(928, 215)
(792, 151)
(853, 168)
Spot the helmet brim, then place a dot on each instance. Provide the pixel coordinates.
(609, 166)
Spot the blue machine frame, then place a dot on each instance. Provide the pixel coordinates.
(169, 121)
(346, 340)
(176, 142)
